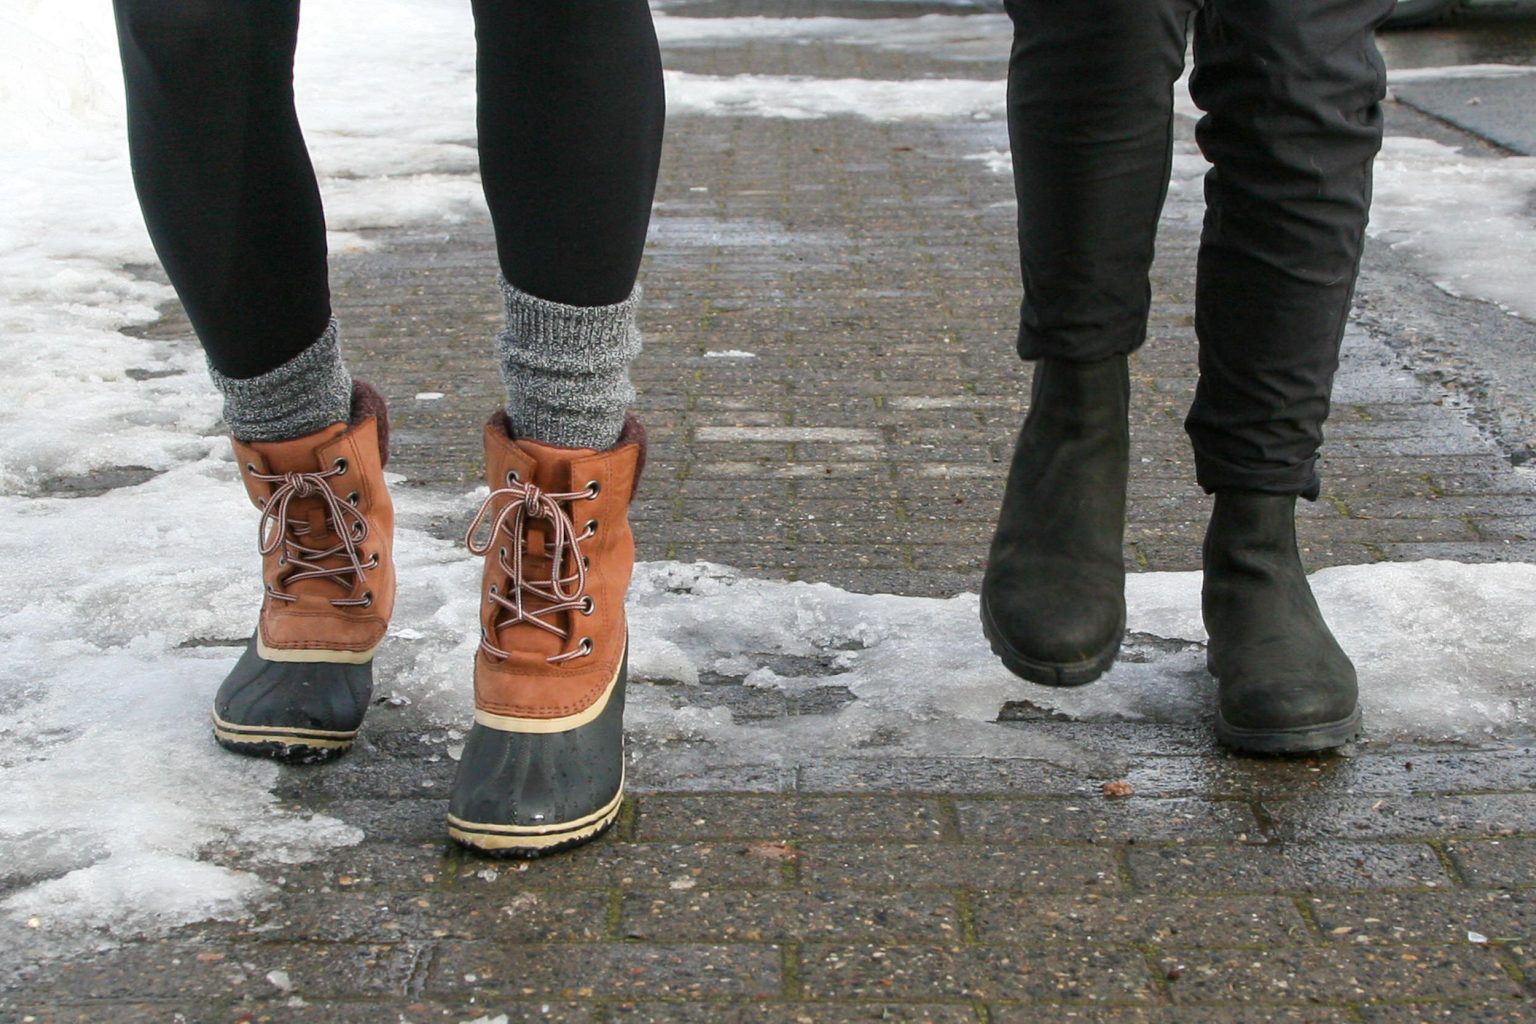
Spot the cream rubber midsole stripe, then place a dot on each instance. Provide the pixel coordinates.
(512, 723)
(264, 730)
(323, 657)
(510, 834)
(285, 739)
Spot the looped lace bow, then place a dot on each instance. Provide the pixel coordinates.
(276, 530)
(557, 594)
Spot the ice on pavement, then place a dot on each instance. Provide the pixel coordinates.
(1445, 650)
(1469, 221)
(122, 611)
(797, 97)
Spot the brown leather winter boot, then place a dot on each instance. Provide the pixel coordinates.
(326, 538)
(543, 765)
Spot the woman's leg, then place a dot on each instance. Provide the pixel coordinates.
(570, 117)
(232, 206)
(234, 212)
(571, 112)
(223, 175)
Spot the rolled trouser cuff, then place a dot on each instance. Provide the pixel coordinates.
(1215, 474)
(1087, 343)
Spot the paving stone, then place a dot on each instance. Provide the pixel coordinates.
(296, 1011)
(984, 972)
(602, 970)
(421, 916)
(1100, 819)
(798, 1012)
(394, 820)
(369, 865)
(1358, 973)
(1501, 863)
(624, 866)
(1399, 775)
(1119, 920)
(773, 817)
(1295, 867)
(958, 866)
(1341, 817)
(1180, 1015)
(1503, 1011)
(697, 915)
(30, 1012)
(1422, 918)
(939, 775)
(220, 972)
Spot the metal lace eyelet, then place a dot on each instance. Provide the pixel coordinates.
(367, 599)
(373, 563)
(354, 498)
(588, 606)
(592, 527)
(501, 553)
(593, 490)
(493, 589)
(341, 467)
(585, 646)
(513, 478)
(250, 467)
(261, 502)
(586, 563)
(282, 559)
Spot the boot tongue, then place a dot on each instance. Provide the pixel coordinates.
(551, 472)
(301, 455)
(552, 464)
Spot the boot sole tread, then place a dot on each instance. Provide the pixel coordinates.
(1302, 740)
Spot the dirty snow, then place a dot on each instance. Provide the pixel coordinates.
(122, 610)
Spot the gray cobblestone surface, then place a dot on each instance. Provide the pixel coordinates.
(873, 276)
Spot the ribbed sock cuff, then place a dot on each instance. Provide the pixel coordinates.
(309, 392)
(566, 368)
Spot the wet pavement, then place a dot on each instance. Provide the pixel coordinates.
(869, 269)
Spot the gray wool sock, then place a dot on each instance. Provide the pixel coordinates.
(307, 393)
(566, 368)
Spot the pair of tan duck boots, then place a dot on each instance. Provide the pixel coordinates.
(543, 765)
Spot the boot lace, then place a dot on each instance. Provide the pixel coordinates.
(277, 530)
(558, 594)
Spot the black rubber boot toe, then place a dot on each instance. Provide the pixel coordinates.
(525, 794)
(1284, 683)
(1053, 598)
(294, 710)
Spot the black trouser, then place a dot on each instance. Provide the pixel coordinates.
(1291, 90)
(570, 118)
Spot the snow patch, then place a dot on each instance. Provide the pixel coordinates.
(1444, 650)
(983, 37)
(796, 97)
(1469, 221)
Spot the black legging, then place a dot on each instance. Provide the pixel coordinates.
(570, 118)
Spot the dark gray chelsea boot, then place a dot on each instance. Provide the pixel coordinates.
(1053, 598)
(1285, 686)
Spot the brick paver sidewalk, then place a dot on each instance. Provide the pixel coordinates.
(870, 271)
